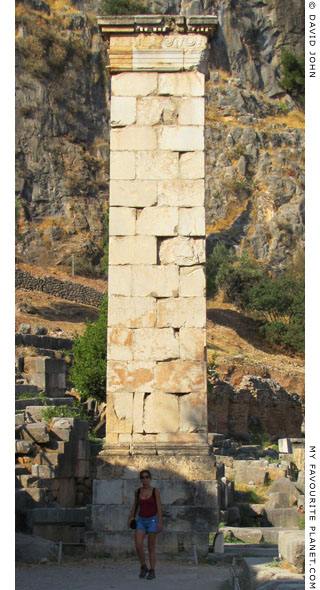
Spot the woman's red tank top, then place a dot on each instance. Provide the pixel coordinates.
(148, 507)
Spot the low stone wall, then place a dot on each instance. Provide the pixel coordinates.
(58, 288)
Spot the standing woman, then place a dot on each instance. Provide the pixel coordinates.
(149, 522)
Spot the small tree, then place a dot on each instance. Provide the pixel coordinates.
(220, 257)
(119, 7)
(237, 279)
(88, 370)
(293, 75)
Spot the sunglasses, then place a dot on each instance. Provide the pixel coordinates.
(145, 477)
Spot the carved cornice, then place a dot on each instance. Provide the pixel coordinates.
(157, 23)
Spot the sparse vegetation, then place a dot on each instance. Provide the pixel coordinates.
(60, 412)
(118, 7)
(293, 75)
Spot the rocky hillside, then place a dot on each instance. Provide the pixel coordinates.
(254, 134)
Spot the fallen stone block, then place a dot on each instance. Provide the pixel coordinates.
(32, 549)
(67, 428)
(44, 471)
(23, 389)
(281, 517)
(23, 447)
(218, 546)
(281, 500)
(285, 486)
(292, 548)
(35, 432)
(19, 419)
(245, 474)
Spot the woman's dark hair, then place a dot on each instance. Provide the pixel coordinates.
(145, 471)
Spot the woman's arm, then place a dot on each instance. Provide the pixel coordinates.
(131, 515)
(159, 510)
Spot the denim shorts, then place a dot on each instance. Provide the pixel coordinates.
(148, 525)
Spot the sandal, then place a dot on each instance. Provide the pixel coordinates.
(151, 575)
(143, 572)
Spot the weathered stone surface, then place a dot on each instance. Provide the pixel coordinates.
(218, 546)
(158, 59)
(137, 193)
(130, 376)
(132, 312)
(122, 165)
(161, 413)
(291, 546)
(192, 344)
(192, 282)
(249, 475)
(180, 376)
(157, 165)
(284, 485)
(155, 344)
(192, 221)
(281, 517)
(181, 193)
(280, 500)
(119, 412)
(182, 251)
(24, 447)
(193, 415)
(120, 344)
(188, 312)
(133, 250)
(155, 280)
(107, 491)
(122, 221)
(150, 110)
(133, 138)
(32, 549)
(185, 138)
(119, 280)
(182, 84)
(156, 221)
(134, 84)
(284, 445)
(191, 111)
(191, 165)
(123, 111)
(36, 432)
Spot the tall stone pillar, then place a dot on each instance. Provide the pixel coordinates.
(156, 367)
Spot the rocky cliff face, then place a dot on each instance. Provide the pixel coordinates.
(254, 137)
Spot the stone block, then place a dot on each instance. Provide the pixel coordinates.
(138, 410)
(48, 365)
(158, 221)
(157, 165)
(191, 165)
(161, 413)
(285, 486)
(158, 59)
(193, 519)
(155, 281)
(122, 166)
(181, 138)
(23, 447)
(137, 193)
(150, 110)
(44, 471)
(134, 84)
(182, 251)
(34, 413)
(75, 516)
(192, 282)
(119, 280)
(19, 419)
(193, 412)
(108, 491)
(133, 138)
(182, 84)
(191, 111)
(180, 376)
(66, 534)
(281, 517)
(122, 221)
(36, 432)
(181, 193)
(133, 250)
(280, 500)
(285, 445)
(132, 312)
(291, 547)
(123, 111)
(155, 344)
(120, 344)
(66, 491)
(83, 450)
(129, 376)
(244, 474)
(192, 221)
(119, 412)
(192, 344)
(218, 546)
(109, 517)
(188, 312)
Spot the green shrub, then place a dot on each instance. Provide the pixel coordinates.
(220, 257)
(88, 369)
(293, 75)
(60, 412)
(237, 278)
(118, 7)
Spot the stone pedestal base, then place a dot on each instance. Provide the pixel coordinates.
(190, 495)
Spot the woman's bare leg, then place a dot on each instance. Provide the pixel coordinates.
(152, 537)
(139, 538)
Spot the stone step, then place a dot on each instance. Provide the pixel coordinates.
(22, 389)
(22, 404)
(44, 471)
(49, 459)
(254, 550)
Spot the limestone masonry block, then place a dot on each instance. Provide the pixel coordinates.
(180, 376)
(192, 344)
(137, 193)
(182, 193)
(192, 282)
(107, 491)
(188, 312)
(138, 408)
(129, 376)
(191, 165)
(133, 138)
(192, 221)
(184, 138)
(157, 165)
(191, 111)
(158, 221)
(122, 166)
(119, 280)
(134, 84)
(122, 221)
(182, 84)
(182, 251)
(132, 312)
(155, 344)
(155, 281)
(161, 413)
(151, 109)
(133, 250)
(193, 415)
(119, 412)
(157, 59)
(120, 344)
(123, 111)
